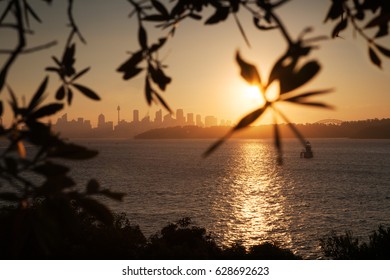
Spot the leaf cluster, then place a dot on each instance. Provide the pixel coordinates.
(68, 75)
(363, 16)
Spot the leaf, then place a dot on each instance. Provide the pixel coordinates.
(315, 104)
(2, 78)
(47, 110)
(291, 81)
(159, 77)
(195, 16)
(336, 10)
(97, 209)
(157, 46)
(248, 71)
(221, 14)
(129, 68)
(113, 195)
(71, 151)
(13, 102)
(383, 50)
(148, 92)
(79, 74)
(241, 30)
(70, 96)
(49, 169)
(339, 27)
(142, 37)
(68, 60)
(250, 118)
(161, 8)
(87, 92)
(61, 92)
(374, 57)
(162, 101)
(244, 122)
(216, 145)
(37, 98)
(93, 187)
(306, 94)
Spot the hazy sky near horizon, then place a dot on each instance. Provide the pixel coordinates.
(201, 62)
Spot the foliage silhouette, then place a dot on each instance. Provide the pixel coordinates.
(57, 189)
(348, 247)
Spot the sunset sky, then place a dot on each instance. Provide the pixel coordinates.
(201, 62)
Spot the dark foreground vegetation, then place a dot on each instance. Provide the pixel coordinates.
(48, 231)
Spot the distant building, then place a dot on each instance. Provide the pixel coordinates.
(199, 121)
(158, 119)
(190, 119)
(135, 116)
(210, 121)
(180, 117)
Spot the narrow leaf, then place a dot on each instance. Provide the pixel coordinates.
(250, 118)
(221, 14)
(79, 74)
(87, 92)
(47, 110)
(309, 103)
(241, 30)
(162, 101)
(217, 144)
(161, 8)
(37, 98)
(2, 78)
(383, 50)
(248, 71)
(95, 208)
(93, 187)
(148, 91)
(374, 57)
(339, 27)
(61, 92)
(70, 96)
(113, 195)
(307, 94)
(142, 37)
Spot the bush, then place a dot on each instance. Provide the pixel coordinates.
(348, 247)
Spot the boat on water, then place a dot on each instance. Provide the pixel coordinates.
(308, 152)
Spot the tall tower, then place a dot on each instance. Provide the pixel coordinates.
(136, 116)
(119, 109)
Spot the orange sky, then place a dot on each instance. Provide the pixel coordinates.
(201, 62)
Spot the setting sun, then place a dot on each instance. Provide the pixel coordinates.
(254, 94)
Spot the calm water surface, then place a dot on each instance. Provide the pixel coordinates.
(240, 194)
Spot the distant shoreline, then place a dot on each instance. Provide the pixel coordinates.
(368, 129)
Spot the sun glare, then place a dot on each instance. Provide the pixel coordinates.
(254, 94)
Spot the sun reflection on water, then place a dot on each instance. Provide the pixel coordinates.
(251, 204)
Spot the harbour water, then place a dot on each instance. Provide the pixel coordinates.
(240, 194)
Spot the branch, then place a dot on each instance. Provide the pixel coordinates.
(33, 49)
(73, 25)
(19, 47)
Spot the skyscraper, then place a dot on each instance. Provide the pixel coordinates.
(190, 119)
(135, 116)
(180, 117)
